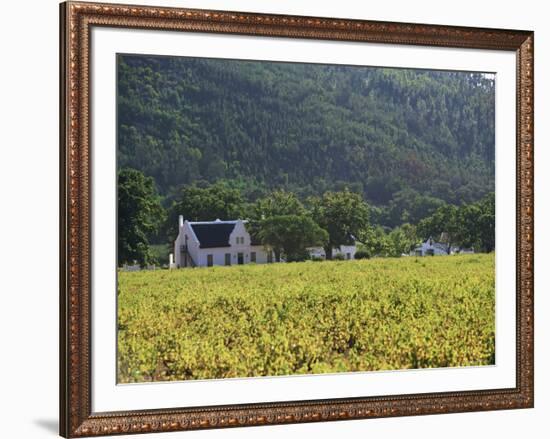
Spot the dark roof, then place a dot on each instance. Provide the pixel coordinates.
(212, 235)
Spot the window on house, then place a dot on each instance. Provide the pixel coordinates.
(252, 256)
(348, 255)
(209, 260)
(228, 259)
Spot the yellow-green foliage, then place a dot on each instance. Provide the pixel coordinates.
(308, 317)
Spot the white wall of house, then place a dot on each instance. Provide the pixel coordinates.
(429, 247)
(262, 255)
(219, 255)
(185, 235)
(439, 249)
(239, 232)
(316, 252)
(347, 250)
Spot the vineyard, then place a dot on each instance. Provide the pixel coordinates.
(306, 317)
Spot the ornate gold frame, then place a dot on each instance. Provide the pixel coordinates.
(76, 417)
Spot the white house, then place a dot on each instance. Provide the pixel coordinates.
(431, 248)
(348, 251)
(208, 243)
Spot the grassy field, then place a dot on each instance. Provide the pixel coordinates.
(308, 317)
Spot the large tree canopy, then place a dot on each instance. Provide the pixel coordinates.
(277, 203)
(344, 215)
(139, 215)
(290, 235)
(470, 225)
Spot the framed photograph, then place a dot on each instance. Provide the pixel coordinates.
(271, 219)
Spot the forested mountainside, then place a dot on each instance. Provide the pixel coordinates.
(396, 136)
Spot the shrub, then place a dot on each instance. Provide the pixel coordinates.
(362, 254)
(298, 257)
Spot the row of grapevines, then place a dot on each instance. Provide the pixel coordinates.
(308, 317)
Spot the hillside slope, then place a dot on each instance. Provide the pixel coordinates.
(307, 128)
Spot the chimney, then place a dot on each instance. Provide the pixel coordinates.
(181, 221)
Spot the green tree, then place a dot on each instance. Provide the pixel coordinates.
(443, 220)
(486, 223)
(402, 240)
(277, 203)
(470, 225)
(376, 242)
(344, 215)
(410, 206)
(139, 216)
(204, 204)
(477, 224)
(290, 235)
(467, 225)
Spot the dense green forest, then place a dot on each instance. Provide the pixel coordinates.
(307, 128)
(409, 142)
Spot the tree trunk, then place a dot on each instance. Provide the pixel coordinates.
(328, 252)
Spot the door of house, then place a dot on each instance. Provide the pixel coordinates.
(228, 259)
(240, 258)
(209, 260)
